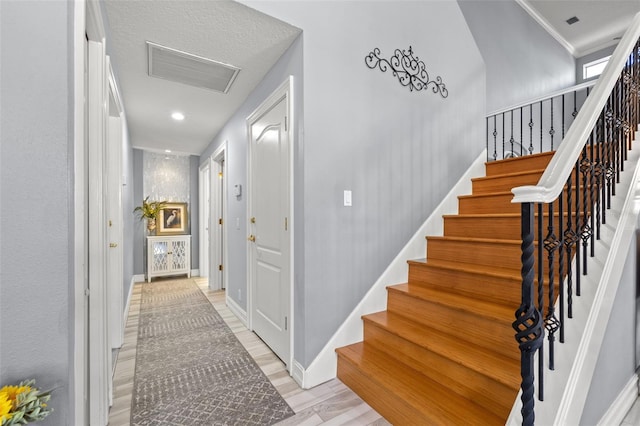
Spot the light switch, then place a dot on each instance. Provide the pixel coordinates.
(347, 198)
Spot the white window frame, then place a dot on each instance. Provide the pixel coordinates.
(594, 68)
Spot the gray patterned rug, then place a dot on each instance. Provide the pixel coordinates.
(191, 369)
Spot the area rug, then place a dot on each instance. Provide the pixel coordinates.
(191, 369)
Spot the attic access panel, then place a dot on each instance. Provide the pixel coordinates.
(186, 68)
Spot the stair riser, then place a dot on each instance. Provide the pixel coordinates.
(466, 382)
(486, 332)
(484, 253)
(472, 285)
(507, 228)
(503, 183)
(392, 408)
(501, 203)
(527, 162)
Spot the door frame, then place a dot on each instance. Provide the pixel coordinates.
(285, 90)
(218, 249)
(204, 177)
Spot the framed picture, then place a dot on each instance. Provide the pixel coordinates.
(172, 219)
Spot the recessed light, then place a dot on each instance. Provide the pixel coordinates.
(178, 116)
(572, 20)
(168, 151)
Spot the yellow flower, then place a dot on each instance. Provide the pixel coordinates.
(5, 406)
(12, 393)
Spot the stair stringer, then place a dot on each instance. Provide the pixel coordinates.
(324, 367)
(567, 387)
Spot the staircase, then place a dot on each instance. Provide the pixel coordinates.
(444, 351)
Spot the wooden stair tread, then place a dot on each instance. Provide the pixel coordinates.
(494, 271)
(432, 402)
(495, 311)
(489, 363)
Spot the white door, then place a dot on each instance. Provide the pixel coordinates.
(115, 233)
(269, 210)
(205, 209)
(217, 222)
(99, 349)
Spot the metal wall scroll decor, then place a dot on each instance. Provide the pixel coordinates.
(409, 69)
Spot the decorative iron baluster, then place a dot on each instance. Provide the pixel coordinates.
(531, 129)
(540, 300)
(511, 141)
(551, 324)
(576, 228)
(569, 241)
(551, 131)
(528, 322)
(561, 263)
(495, 146)
(609, 171)
(585, 229)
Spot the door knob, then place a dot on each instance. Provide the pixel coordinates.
(252, 238)
(253, 220)
(113, 245)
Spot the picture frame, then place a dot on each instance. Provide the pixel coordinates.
(172, 219)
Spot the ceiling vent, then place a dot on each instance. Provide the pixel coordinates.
(182, 67)
(572, 20)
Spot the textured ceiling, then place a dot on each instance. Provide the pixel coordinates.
(222, 30)
(600, 21)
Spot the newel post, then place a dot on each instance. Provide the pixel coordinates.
(528, 324)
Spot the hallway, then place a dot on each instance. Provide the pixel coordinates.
(331, 403)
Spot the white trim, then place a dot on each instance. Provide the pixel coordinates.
(560, 92)
(195, 272)
(561, 165)
(95, 22)
(80, 249)
(623, 403)
(125, 315)
(285, 90)
(221, 153)
(139, 278)
(204, 209)
(323, 367)
(547, 26)
(297, 372)
(237, 310)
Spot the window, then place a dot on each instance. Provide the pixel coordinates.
(594, 68)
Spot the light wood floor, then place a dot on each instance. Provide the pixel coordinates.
(331, 403)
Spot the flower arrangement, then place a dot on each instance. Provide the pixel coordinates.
(23, 404)
(149, 210)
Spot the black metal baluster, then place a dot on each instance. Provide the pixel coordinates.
(585, 229)
(551, 324)
(540, 299)
(495, 146)
(551, 131)
(602, 182)
(592, 186)
(609, 152)
(528, 322)
(576, 227)
(569, 241)
(561, 263)
(512, 141)
(541, 120)
(531, 129)
(521, 140)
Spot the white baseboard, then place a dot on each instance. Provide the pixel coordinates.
(195, 272)
(127, 304)
(324, 366)
(138, 278)
(237, 310)
(297, 372)
(621, 406)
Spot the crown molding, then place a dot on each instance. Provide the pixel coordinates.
(547, 26)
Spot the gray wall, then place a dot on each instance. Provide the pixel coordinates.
(36, 189)
(398, 151)
(139, 226)
(523, 61)
(616, 361)
(235, 134)
(129, 225)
